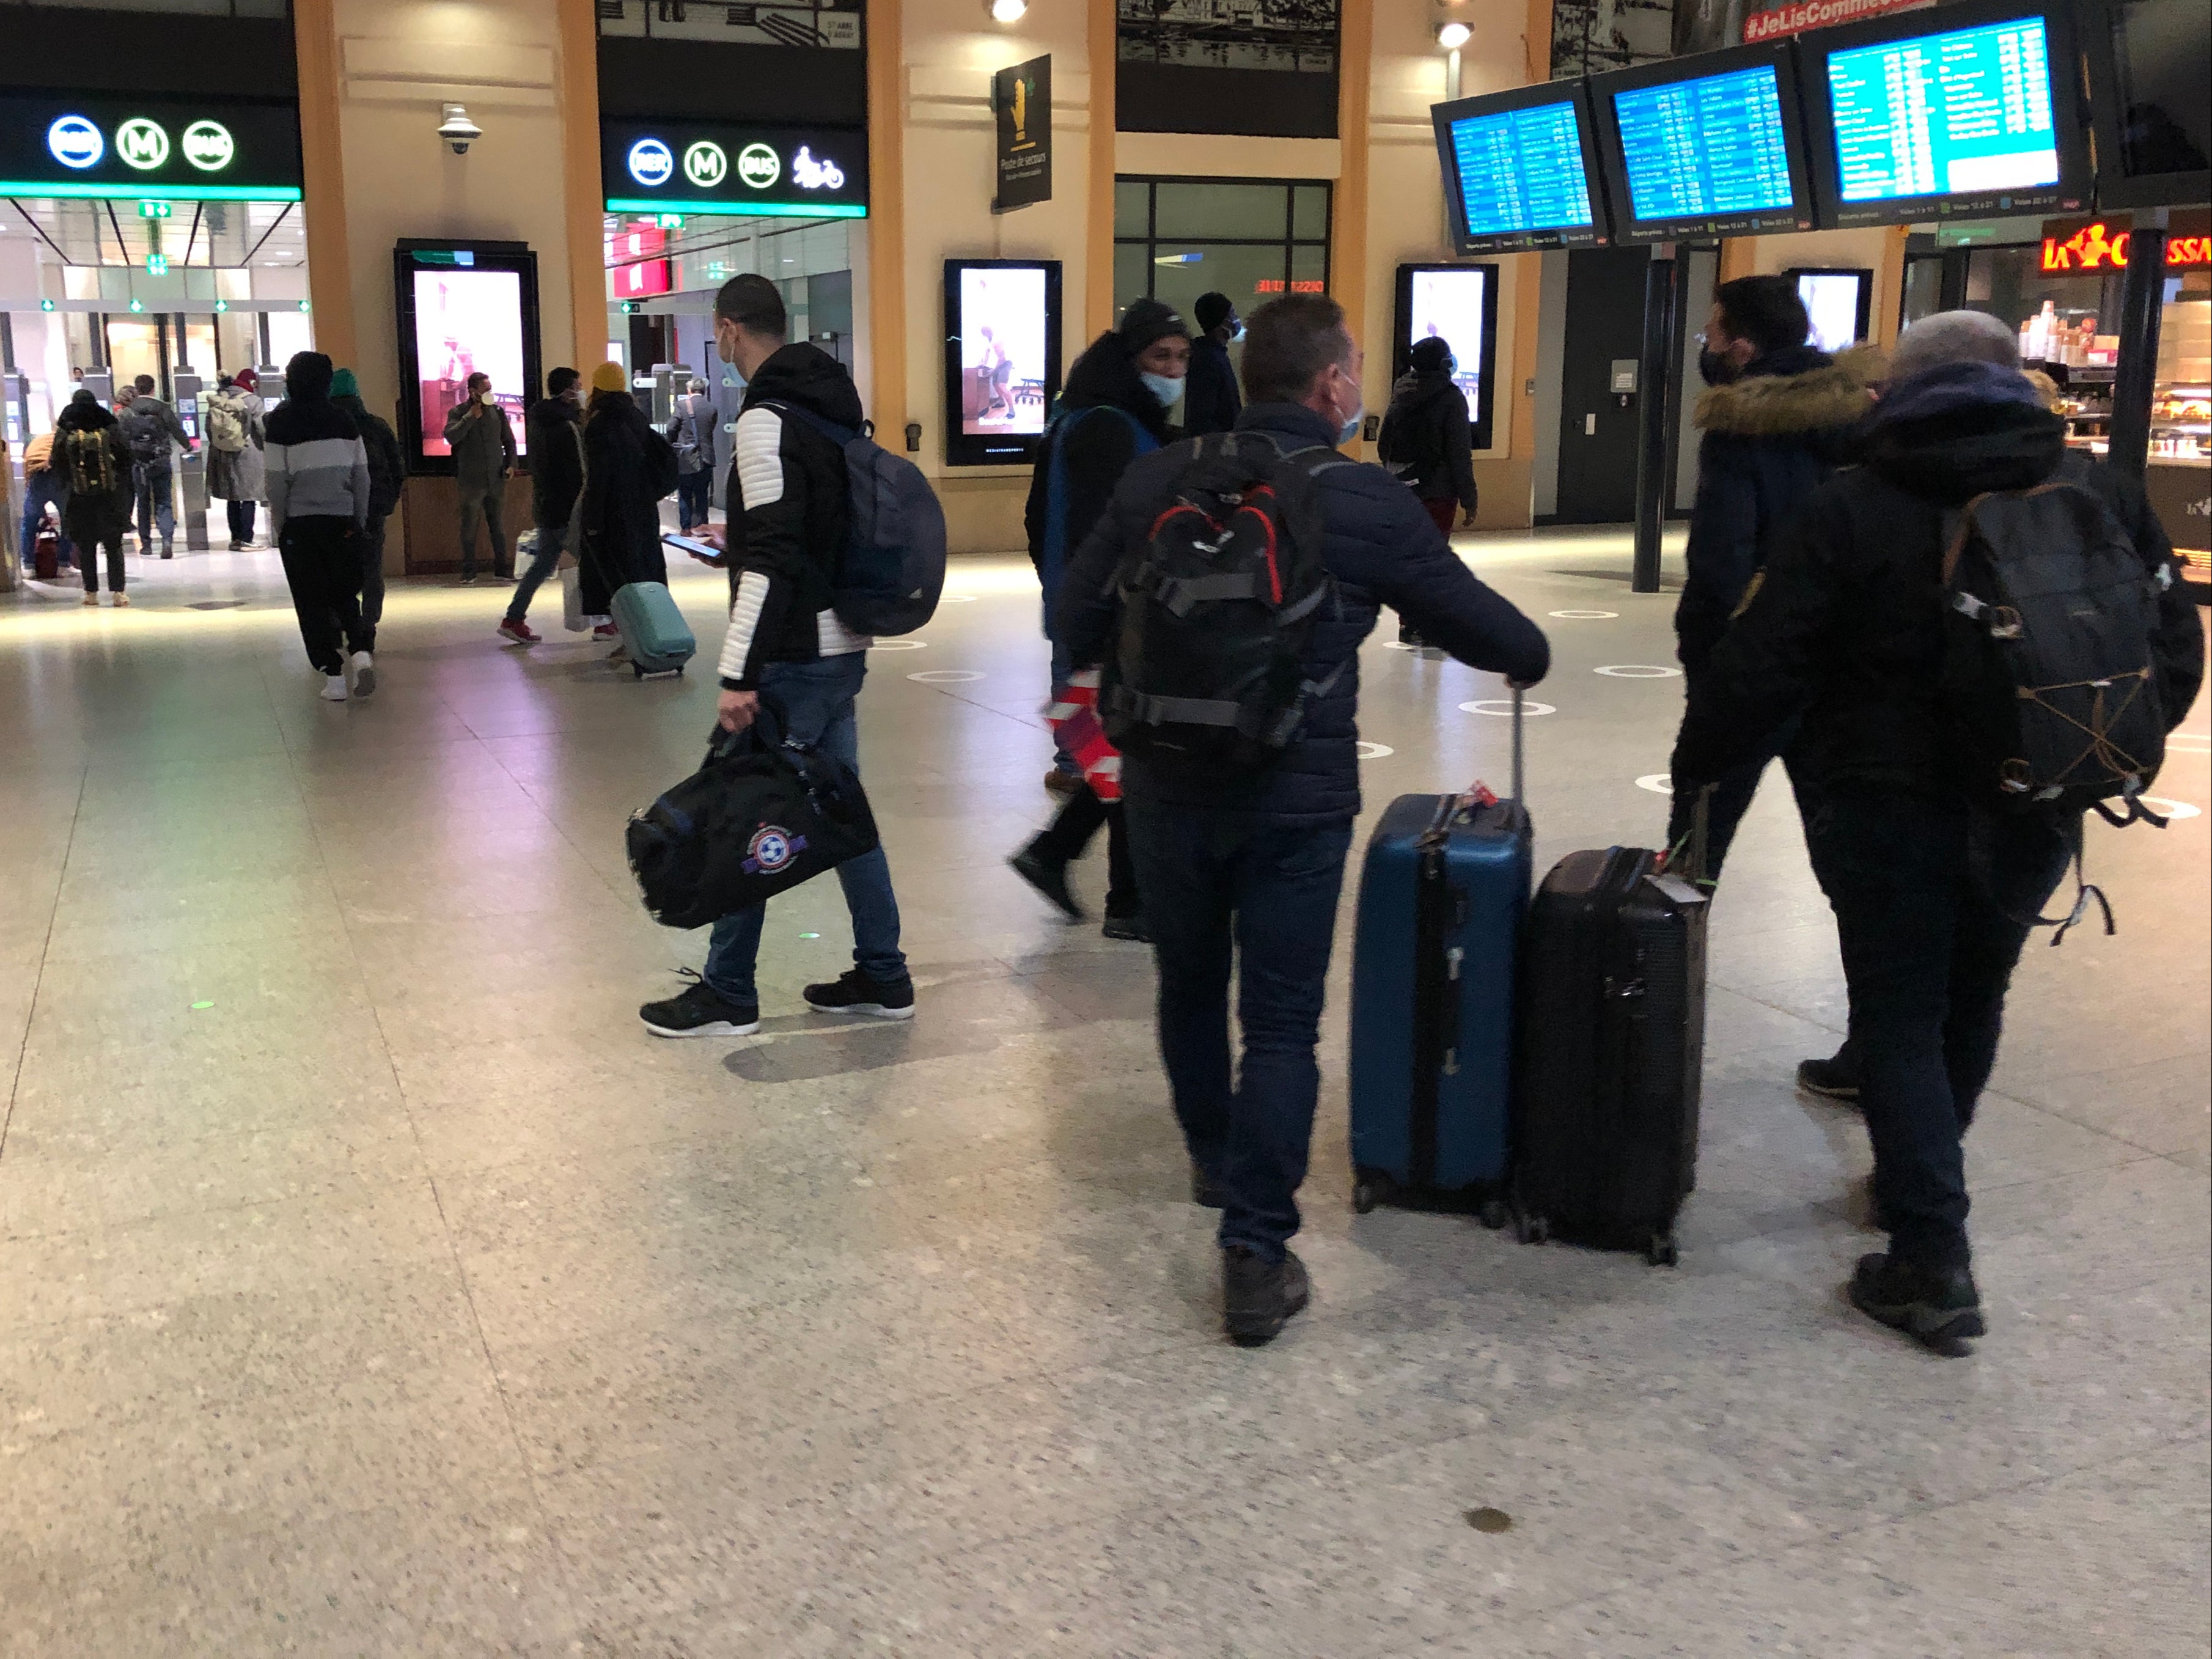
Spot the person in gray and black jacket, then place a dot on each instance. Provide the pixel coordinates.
(318, 504)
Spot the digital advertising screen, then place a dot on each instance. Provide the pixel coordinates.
(1458, 305)
(1838, 303)
(1519, 169)
(463, 310)
(1975, 119)
(1002, 357)
(2150, 63)
(1705, 146)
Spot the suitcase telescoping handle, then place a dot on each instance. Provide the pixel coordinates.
(1520, 797)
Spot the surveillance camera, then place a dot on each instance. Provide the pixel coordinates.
(457, 131)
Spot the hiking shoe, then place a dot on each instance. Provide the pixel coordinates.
(1205, 1191)
(1936, 1306)
(1132, 928)
(854, 993)
(364, 673)
(92, 599)
(700, 1011)
(334, 688)
(1833, 1079)
(121, 601)
(515, 631)
(1259, 1296)
(1050, 879)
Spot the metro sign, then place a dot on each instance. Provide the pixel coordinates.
(141, 144)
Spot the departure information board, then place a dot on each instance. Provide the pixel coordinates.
(1519, 173)
(1710, 153)
(1963, 112)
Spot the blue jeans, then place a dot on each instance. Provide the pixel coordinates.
(1213, 880)
(38, 490)
(1928, 951)
(816, 701)
(546, 561)
(156, 487)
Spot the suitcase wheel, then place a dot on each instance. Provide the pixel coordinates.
(1370, 1189)
(1532, 1230)
(637, 671)
(1494, 1214)
(1660, 1250)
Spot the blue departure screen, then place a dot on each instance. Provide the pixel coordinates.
(1522, 170)
(1961, 112)
(1710, 146)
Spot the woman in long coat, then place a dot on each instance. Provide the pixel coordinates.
(628, 468)
(238, 476)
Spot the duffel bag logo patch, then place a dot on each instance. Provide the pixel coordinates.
(772, 847)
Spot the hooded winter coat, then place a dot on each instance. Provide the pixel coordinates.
(788, 516)
(240, 475)
(89, 516)
(1846, 624)
(1771, 439)
(628, 468)
(1382, 549)
(1093, 450)
(388, 466)
(1427, 420)
(553, 428)
(317, 465)
(1211, 399)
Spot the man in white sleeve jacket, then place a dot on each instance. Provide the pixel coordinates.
(788, 525)
(318, 504)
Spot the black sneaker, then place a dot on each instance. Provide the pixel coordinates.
(1258, 1296)
(1937, 1306)
(854, 992)
(700, 1011)
(1836, 1078)
(1207, 1192)
(1050, 880)
(1132, 928)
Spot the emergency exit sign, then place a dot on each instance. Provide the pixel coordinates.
(153, 209)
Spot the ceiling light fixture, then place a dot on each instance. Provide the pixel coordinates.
(1452, 36)
(1008, 11)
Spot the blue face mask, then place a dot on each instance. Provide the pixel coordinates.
(1350, 429)
(1165, 387)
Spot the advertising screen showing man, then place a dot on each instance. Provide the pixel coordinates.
(1002, 339)
(468, 322)
(1449, 305)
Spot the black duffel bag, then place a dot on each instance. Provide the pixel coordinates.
(759, 817)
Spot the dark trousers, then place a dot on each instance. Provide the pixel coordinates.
(157, 509)
(1733, 793)
(240, 514)
(369, 543)
(1221, 886)
(1070, 832)
(324, 573)
(95, 534)
(480, 503)
(1929, 950)
(694, 493)
(1443, 510)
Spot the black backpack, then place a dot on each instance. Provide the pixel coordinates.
(1217, 604)
(145, 434)
(1413, 445)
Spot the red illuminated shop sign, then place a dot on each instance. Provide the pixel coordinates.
(1778, 21)
(637, 244)
(2073, 247)
(1299, 285)
(647, 277)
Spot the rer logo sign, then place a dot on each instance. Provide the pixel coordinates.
(76, 143)
(650, 162)
(759, 167)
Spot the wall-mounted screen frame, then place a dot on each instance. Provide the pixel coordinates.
(1532, 196)
(1838, 67)
(1454, 302)
(1712, 145)
(1001, 358)
(462, 307)
(2146, 156)
(1838, 298)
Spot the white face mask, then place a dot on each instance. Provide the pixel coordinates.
(487, 398)
(1165, 387)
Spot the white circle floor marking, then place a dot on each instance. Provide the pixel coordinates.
(901, 645)
(956, 598)
(1502, 708)
(1585, 615)
(1399, 645)
(1638, 671)
(1374, 750)
(2188, 743)
(1658, 782)
(2170, 808)
(946, 676)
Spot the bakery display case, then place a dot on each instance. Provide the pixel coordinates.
(2178, 472)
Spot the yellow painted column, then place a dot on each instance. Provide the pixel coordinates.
(1347, 253)
(330, 270)
(583, 195)
(887, 220)
(1098, 202)
(1889, 288)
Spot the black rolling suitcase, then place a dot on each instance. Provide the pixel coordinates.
(1612, 1046)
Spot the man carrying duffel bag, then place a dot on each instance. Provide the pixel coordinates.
(789, 524)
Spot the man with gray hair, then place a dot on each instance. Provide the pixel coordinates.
(1931, 886)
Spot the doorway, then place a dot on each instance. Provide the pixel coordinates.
(1604, 333)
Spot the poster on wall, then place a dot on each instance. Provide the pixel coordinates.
(1260, 67)
(465, 310)
(1021, 97)
(1002, 357)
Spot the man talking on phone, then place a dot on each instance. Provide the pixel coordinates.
(787, 523)
(483, 454)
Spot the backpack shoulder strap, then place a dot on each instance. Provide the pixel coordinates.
(1957, 528)
(839, 436)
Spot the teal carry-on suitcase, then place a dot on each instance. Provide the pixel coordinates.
(654, 634)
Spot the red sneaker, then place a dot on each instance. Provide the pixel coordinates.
(517, 631)
(607, 631)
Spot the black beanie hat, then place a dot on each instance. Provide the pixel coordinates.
(1430, 355)
(1212, 310)
(1147, 320)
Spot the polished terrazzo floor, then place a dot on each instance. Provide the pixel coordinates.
(371, 1284)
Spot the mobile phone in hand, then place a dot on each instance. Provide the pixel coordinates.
(697, 550)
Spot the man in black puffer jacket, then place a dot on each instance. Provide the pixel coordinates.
(1847, 630)
(1256, 861)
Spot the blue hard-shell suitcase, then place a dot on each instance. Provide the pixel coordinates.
(654, 634)
(1441, 899)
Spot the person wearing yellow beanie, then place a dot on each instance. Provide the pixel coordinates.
(610, 377)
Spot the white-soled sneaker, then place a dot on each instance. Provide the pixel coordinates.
(334, 688)
(364, 673)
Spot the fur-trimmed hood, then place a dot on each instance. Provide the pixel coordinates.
(1826, 394)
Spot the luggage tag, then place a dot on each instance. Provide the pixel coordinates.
(1682, 892)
